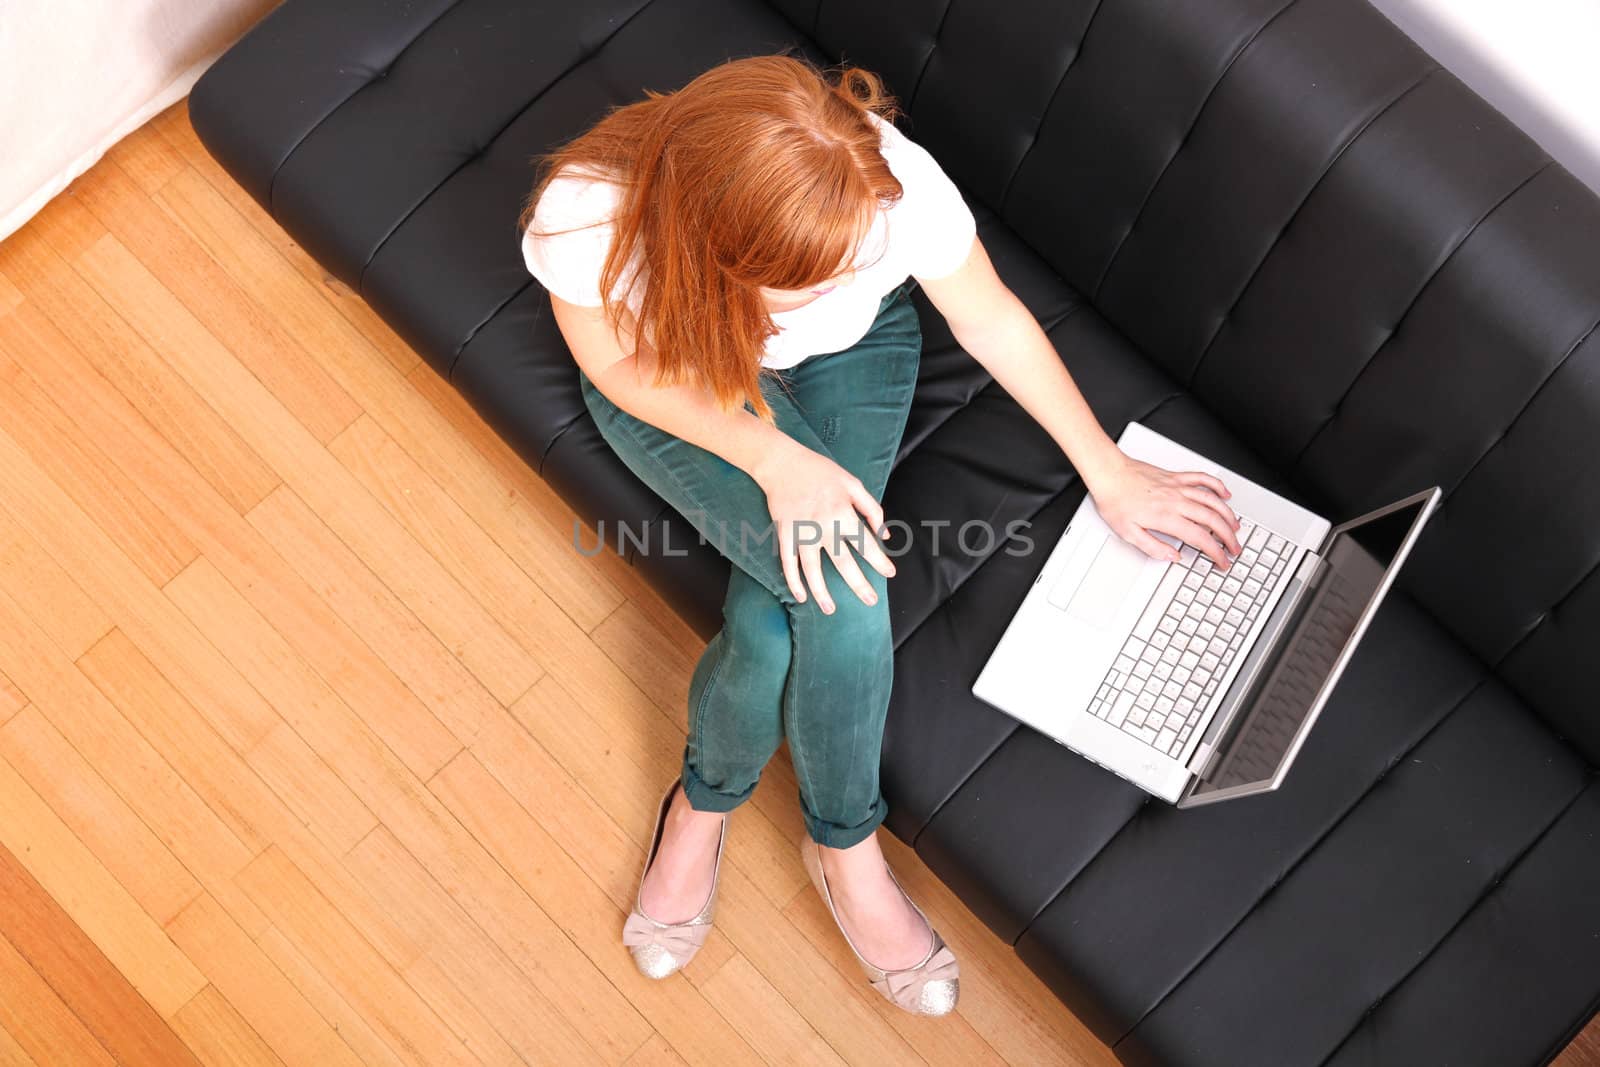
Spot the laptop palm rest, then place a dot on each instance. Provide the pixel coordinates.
(1102, 593)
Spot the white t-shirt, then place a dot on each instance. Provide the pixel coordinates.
(929, 232)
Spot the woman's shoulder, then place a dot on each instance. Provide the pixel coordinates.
(576, 197)
(931, 215)
(570, 232)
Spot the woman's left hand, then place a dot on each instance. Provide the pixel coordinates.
(1136, 498)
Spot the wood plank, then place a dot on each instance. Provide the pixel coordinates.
(1584, 1050)
(66, 224)
(656, 665)
(294, 375)
(504, 667)
(532, 1026)
(12, 699)
(12, 1054)
(410, 1027)
(514, 471)
(38, 1019)
(173, 125)
(252, 565)
(108, 779)
(400, 800)
(755, 926)
(461, 1013)
(354, 1028)
(454, 537)
(586, 912)
(218, 1035)
(74, 620)
(133, 854)
(88, 315)
(438, 703)
(10, 295)
(278, 590)
(107, 574)
(312, 710)
(92, 983)
(259, 815)
(386, 395)
(79, 466)
(542, 548)
(263, 997)
(146, 156)
(765, 1018)
(609, 751)
(656, 1053)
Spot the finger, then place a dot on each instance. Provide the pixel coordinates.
(845, 563)
(791, 566)
(1199, 536)
(872, 551)
(870, 509)
(1217, 515)
(811, 563)
(1202, 495)
(1152, 546)
(1211, 481)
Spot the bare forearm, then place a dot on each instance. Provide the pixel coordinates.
(1018, 354)
(692, 414)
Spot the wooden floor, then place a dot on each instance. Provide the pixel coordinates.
(319, 743)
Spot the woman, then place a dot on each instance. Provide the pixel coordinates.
(731, 266)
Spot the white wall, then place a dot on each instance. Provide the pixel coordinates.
(1535, 60)
(76, 76)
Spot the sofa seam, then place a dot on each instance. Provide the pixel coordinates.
(1511, 424)
(1044, 115)
(927, 61)
(272, 181)
(1277, 239)
(474, 157)
(1484, 676)
(1183, 142)
(1294, 464)
(1586, 781)
(1545, 615)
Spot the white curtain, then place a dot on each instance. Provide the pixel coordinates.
(78, 75)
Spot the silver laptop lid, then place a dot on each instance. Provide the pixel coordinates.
(1359, 563)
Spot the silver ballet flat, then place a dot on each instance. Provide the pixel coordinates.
(660, 949)
(927, 988)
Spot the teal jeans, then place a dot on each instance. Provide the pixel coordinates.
(780, 668)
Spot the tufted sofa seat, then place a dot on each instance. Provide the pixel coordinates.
(1274, 230)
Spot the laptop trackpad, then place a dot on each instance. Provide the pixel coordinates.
(1104, 589)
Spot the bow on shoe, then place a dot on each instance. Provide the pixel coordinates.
(682, 940)
(905, 987)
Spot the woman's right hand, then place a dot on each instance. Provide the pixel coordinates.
(817, 506)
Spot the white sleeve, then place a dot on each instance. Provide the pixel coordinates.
(568, 264)
(944, 226)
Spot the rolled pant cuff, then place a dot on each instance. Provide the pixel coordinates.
(832, 835)
(704, 798)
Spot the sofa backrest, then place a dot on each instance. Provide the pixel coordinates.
(1363, 268)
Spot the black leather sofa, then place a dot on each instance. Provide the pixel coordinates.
(1272, 229)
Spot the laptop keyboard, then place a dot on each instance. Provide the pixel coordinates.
(1166, 676)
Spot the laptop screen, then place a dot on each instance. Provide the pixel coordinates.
(1270, 724)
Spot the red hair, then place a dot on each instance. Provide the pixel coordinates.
(761, 172)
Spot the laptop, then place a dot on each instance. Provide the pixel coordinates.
(1197, 685)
